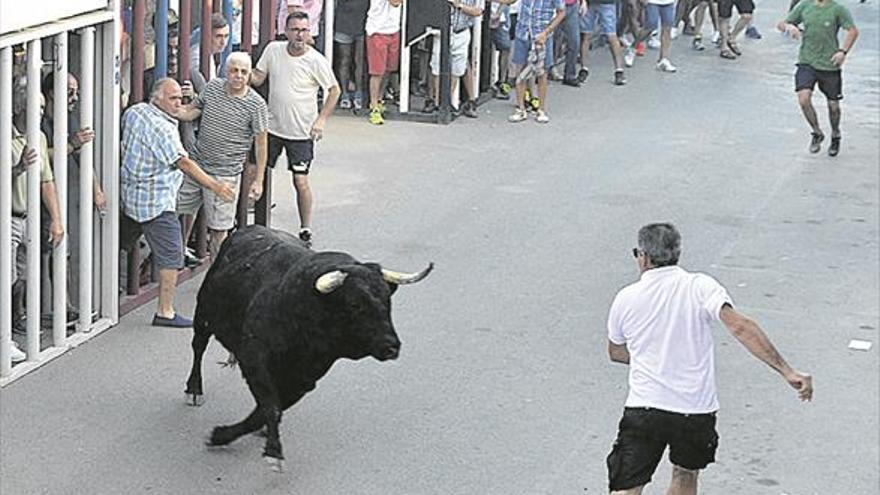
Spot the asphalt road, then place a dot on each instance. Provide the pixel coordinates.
(503, 385)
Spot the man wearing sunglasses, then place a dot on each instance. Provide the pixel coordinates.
(661, 327)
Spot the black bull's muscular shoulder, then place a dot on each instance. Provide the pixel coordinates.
(286, 314)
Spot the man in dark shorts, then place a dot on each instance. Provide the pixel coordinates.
(297, 71)
(820, 60)
(661, 327)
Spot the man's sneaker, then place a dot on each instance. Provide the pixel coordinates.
(518, 115)
(469, 109)
(381, 106)
(430, 106)
(641, 49)
(345, 102)
(629, 57)
(716, 38)
(502, 90)
(834, 149)
(574, 83)
(534, 103)
(376, 116)
(674, 33)
(357, 102)
(816, 142)
(190, 260)
(697, 43)
(305, 235)
(541, 117)
(583, 74)
(654, 41)
(664, 65)
(619, 78)
(753, 33)
(16, 354)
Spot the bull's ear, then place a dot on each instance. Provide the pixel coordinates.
(330, 281)
(376, 267)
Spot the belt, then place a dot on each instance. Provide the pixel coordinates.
(461, 30)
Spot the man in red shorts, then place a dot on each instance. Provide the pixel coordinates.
(383, 49)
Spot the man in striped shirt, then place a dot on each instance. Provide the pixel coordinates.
(233, 116)
(153, 164)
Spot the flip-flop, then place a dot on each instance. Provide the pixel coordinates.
(734, 48)
(727, 54)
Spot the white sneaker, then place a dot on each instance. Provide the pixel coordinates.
(665, 65)
(17, 355)
(519, 115)
(674, 33)
(654, 41)
(542, 117)
(629, 56)
(716, 38)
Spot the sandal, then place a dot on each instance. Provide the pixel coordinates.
(727, 54)
(732, 46)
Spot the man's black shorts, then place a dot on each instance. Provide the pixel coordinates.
(830, 81)
(300, 153)
(643, 435)
(725, 7)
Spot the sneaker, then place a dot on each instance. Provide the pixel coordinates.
(518, 115)
(753, 33)
(381, 106)
(469, 109)
(716, 38)
(345, 102)
(376, 116)
(190, 260)
(664, 65)
(640, 49)
(430, 106)
(834, 149)
(176, 321)
(583, 74)
(697, 43)
(816, 142)
(305, 235)
(541, 117)
(502, 90)
(358, 102)
(16, 354)
(534, 103)
(619, 78)
(574, 83)
(629, 57)
(654, 42)
(674, 33)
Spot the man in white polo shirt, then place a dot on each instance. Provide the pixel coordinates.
(661, 327)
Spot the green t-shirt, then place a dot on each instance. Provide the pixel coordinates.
(821, 24)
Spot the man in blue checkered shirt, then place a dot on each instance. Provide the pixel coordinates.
(153, 164)
(533, 49)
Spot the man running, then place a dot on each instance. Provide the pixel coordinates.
(820, 60)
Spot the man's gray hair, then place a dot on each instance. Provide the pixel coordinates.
(239, 58)
(156, 90)
(661, 243)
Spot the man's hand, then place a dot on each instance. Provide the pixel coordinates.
(223, 190)
(100, 201)
(317, 130)
(838, 58)
(187, 91)
(802, 382)
(28, 158)
(81, 137)
(56, 233)
(541, 38)
(256, 190)
(793, 31)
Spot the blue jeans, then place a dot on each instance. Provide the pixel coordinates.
(571, 28)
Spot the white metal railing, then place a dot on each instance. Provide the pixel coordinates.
(5, 211)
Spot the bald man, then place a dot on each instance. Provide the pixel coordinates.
(153, 165)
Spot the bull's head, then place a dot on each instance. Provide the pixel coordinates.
(365, 292)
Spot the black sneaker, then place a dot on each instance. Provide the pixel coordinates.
(834, 149)
(430, 106)
(619, 78)
(816, 142)
(469, 109)
(305, 235)
(190, 260)
(583, 74)
(574, 83)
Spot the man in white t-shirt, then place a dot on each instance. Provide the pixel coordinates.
(297, 71)
(661, 327)
(383, 50)
(660, 12)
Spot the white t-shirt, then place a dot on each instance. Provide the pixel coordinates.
(293, 89)
(665, 321)
(382, 18)
(661, 2)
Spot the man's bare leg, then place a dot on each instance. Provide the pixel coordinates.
(683, 482)
(167, 287)
(303, 199)
(805, 99)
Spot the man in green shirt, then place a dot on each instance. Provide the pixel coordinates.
(820, 60)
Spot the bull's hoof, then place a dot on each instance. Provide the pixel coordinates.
(194, 400)
(275, 464)
(219, 436)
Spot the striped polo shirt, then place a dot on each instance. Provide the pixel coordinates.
(228, 127)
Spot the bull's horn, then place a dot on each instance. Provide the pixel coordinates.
(330, 281)
(406, 278)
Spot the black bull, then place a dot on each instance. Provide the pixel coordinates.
(286, 314)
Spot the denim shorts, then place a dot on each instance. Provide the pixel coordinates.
(665, 13)
(521, 52)
(501, 39)
(605, 13)
(165, 238)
